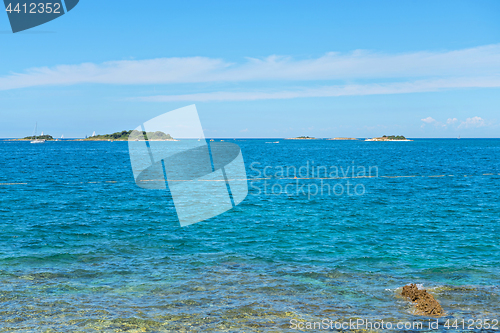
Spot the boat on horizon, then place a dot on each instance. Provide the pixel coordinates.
(35, 140)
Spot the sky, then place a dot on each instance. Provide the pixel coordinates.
(274, 69)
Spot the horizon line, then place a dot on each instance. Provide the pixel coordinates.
(279, 138)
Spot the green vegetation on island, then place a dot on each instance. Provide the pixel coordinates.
(390, 138)
(301, 138)
(39, 137)
(394, 137)
(132, 135)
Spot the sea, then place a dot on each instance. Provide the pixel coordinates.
(329, 233)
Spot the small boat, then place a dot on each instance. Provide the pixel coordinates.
(35, 140)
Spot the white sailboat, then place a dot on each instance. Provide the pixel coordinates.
(35, 140)
(93, 134)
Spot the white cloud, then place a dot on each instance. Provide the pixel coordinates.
(331, 91)
(154, 71)
(473, 122)
(417, 72)
(429, 120)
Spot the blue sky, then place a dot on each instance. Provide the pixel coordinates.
(258, 69)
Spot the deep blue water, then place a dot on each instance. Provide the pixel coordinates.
(84, 249)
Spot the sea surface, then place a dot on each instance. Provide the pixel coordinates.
(84, 249)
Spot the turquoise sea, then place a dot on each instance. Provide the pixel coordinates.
(83, 249)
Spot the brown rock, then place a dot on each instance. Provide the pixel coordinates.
(426, 304)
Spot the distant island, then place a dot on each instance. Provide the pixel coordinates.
(301, 138)
(38, 137)
(342, 139)
(389, 138)
(132, 135)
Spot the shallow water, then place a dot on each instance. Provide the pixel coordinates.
(84, 249)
